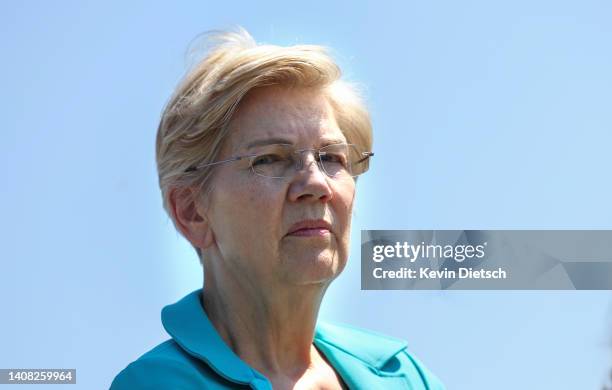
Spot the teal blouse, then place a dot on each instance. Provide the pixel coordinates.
(196, 357)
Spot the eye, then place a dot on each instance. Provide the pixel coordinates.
(333, 158)
(266, 159)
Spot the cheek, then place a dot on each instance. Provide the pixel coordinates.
(345, 196)
(253, 207)
(263, 197)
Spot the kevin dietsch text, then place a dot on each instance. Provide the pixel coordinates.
(412, 252)
(428, 273)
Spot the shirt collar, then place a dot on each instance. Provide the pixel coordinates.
(189, 326)
(187, 323)
(371, 348)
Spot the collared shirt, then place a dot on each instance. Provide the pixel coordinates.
(196, 357)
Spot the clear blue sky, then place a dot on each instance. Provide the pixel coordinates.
(486, 114)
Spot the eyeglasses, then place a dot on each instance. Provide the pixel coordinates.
(282, 160)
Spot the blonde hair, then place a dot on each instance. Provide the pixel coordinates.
(195, 121)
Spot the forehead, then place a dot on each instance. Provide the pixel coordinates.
(299, 116)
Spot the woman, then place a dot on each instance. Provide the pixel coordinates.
(258, 153)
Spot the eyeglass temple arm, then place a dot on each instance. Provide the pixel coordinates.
(195, 168)
(366, 155)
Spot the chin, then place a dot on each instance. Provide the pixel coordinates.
(314, 268)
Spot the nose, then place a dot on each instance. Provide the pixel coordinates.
(310, 182)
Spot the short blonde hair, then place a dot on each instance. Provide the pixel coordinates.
(195, 121)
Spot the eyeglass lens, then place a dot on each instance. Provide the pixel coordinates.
(281, 160)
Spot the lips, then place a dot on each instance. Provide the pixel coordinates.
(309, 228)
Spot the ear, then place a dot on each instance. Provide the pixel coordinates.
(190, 217)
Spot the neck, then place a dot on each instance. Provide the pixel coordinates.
(270, 328)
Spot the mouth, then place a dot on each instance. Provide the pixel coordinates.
(310, 228)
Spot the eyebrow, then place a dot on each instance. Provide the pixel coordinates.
(270, 141)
